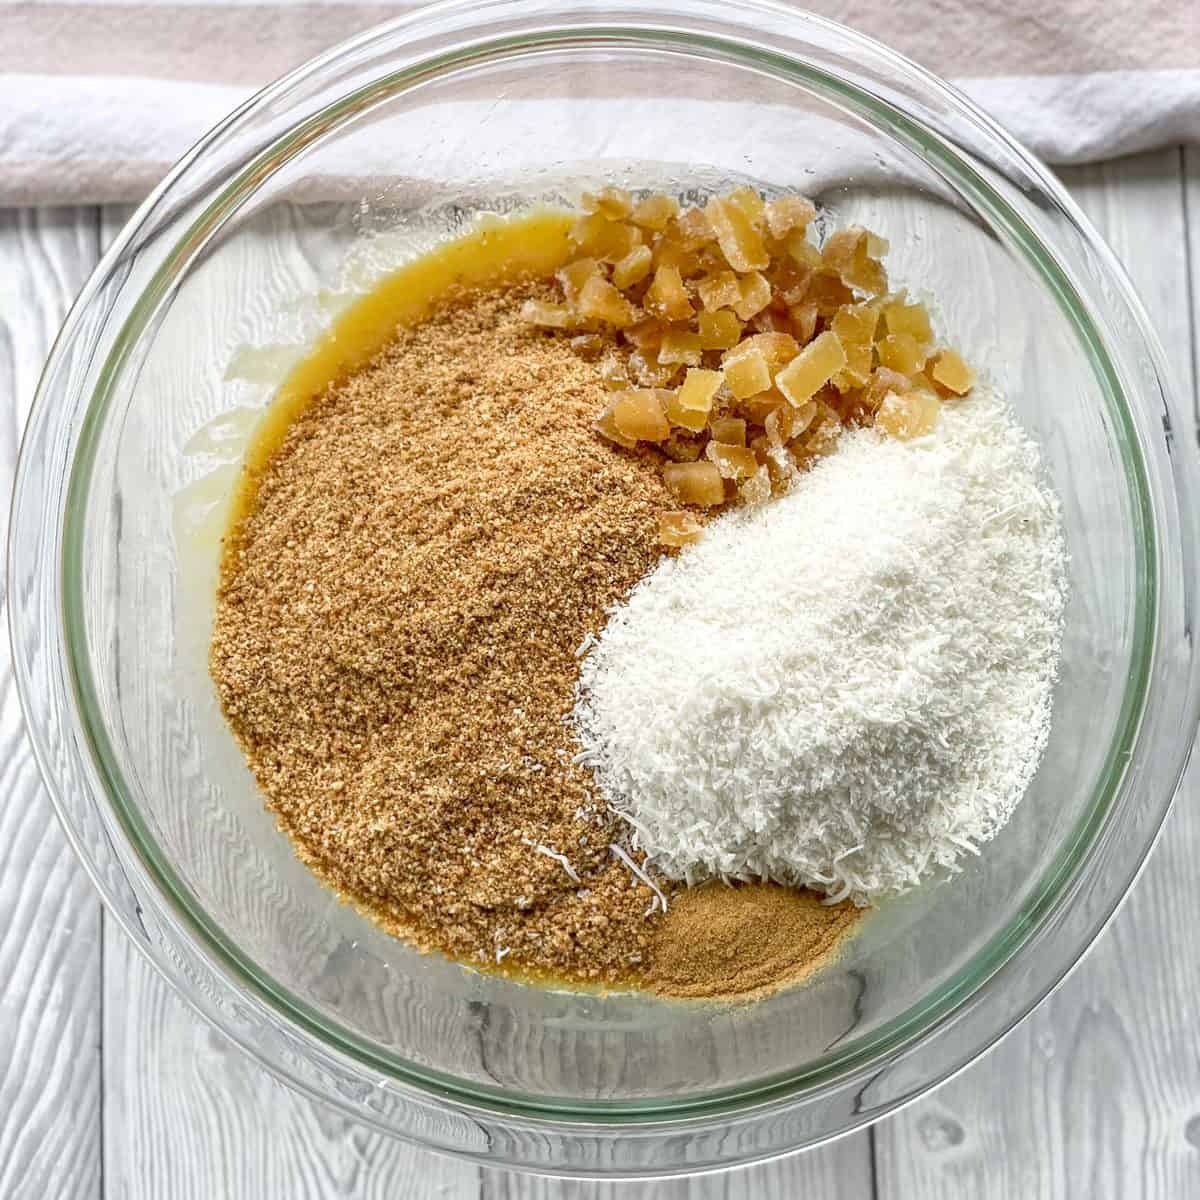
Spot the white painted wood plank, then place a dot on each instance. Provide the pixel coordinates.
(191, 1117)
(1097, 1095)
(49, 915)
(841, 1171)
(1191, 212)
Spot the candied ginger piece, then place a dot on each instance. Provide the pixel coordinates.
(951, 372)
(639, 414)
(680, 346)
(901, 352)
(747, 374)
(613, 373)
(633, 268)
(749, 202)
(575, 274)
(786, 422)
(773, 319)
(666, 296)
(756, 489)
(600, 301)
(802, 252)
(740, 242)
(812, 368)
(595, 235)
(606, 426)
(911, 319)
(612, 202)
(828, 293)
(882, 381)
(679, 528)
(719, 330)
(855, 327)
(731, 431)
(693, 230)
(908, 416)
(698, 483)
(720, 290)
(789, 213)
(645, 334)
(756, 409)
(649, 372)
(548, 316)
(655, 212)
(754, 295)
(694, 420)
(847, 252)
(679, 258)
(804, 321)
(776, 348)
(733, 462)
(698, 389)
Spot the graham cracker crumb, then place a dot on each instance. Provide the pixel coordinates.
(395, 639)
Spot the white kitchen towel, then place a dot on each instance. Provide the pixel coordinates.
(98, 99)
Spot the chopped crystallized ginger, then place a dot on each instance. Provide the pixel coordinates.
(756, 489)
(901, 352)
(912, 319)
(719, 330)
(666, 297)
(754, 294)
(548, 316)
(789, 213)
(633, 268)
(806, 339)
(731, 431)
(695, 420)
(611, 202)
(719, 290)
(951, 372)
(698, 389)
(575, 274)
(678, 528)
(679, 346)
(734, 462)
(747, 374)
(655, 212)
(812, 368)
(848, 254)
(740, 242)
(600, 301)
(698, 483)
(909, 415)
(638, 414)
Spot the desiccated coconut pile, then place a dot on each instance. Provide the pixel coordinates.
(850, 686)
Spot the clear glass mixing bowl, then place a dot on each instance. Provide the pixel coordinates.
(272, 224)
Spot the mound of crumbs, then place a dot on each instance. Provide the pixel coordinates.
(635, 613)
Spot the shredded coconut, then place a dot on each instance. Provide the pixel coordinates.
(849, 688)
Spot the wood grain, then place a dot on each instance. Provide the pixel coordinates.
(1190, 157)
(50, 1081)
(841, 1170)
(1097, 1095)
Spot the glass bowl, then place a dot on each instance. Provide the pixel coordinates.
(271, 225)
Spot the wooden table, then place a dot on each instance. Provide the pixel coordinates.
(110, 1089)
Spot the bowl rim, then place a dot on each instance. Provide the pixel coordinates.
(1060, 883)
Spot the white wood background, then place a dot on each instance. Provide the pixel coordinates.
(111, 1090)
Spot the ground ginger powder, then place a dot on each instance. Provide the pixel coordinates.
(395, 648)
